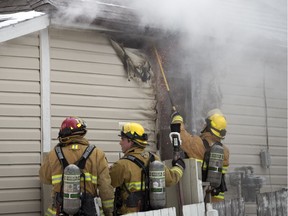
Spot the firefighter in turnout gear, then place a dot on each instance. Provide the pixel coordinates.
(127, 176)
(91, 162)
(196, 147)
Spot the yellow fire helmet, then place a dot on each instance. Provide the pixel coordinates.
(216, 123)
(135, 132)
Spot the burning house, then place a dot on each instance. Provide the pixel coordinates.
(97, 60)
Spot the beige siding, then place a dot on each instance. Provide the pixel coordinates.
(88, 80)
(20, 135)
(249, 103)
(21, 207)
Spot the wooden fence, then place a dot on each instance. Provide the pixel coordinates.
(272, 203)
(160, 212)
(233, 207)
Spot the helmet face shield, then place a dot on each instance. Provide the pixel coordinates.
(218, 133)
(134, 132)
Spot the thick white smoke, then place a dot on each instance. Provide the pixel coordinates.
(217, 35)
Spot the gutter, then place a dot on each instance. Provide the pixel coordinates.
(24, 27)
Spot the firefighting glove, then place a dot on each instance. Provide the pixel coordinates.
(176, 118)
(215, 191)
(180, 163)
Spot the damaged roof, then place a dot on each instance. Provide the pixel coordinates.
(120, 16)
(113, 14)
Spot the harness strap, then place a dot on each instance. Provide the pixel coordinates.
(144, 174)
(139, 163)
(80, 163)
(61, 157)
(135, 160)
(206, 144)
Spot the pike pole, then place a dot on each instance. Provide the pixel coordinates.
(174, 136)
(164, 77)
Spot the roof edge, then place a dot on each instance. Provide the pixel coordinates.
(23, 28)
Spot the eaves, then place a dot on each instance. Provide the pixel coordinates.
(12, 26)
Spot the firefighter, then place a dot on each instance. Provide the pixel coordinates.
(194, 146)
(126, 175)
(96, 171)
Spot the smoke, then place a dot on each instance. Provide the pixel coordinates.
(69, 13)
(215, 37)
(191, 17)
(224, 20)
(206, 17)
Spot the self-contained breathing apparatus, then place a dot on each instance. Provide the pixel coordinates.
(212, 167)
(70, 200)
(152, 190)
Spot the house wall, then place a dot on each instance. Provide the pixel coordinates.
(87, 80)
(255, 102)
(248, 82)
(20, 130)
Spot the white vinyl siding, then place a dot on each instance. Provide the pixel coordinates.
(88, 80)
(247, 101)
(20, 132)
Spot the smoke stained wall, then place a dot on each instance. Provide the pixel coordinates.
(214, 39)
(218, 40)
(230, 55)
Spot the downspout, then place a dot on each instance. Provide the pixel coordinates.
(45, 108)
(45, 90)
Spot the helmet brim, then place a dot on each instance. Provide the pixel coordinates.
(138, 142)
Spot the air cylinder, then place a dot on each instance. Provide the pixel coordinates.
(215, 165)
(71, 189)
(157, 185)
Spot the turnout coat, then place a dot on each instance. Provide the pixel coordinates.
(194, 147)
(127, 172)
(96, 173)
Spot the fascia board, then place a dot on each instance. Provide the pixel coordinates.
(61, 25)
(23, 28)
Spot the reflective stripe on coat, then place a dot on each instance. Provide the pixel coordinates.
(96, 172)
(193, 146)
(128, 173)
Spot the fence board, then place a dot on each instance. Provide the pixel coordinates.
(233, 207)
(272, 203)
(160, 212)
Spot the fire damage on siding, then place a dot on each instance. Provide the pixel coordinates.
(194, 93)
